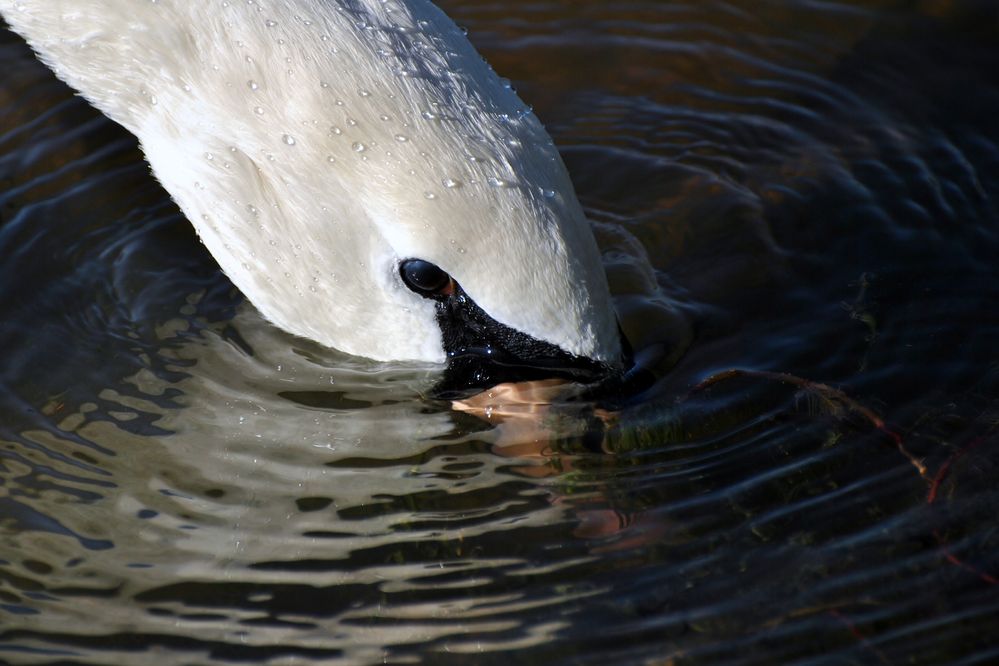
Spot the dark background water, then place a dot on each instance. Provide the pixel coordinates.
(810, 480)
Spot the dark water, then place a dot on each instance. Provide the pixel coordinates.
(811, 480)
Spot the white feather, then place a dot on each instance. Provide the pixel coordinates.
(315, 144)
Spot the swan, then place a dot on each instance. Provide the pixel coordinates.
(355, 167)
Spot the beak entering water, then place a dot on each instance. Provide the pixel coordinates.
(482, 352)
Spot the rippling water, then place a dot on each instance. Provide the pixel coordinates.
(811, 479)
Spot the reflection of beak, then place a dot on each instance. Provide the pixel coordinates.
(521, 415)
(483, 352)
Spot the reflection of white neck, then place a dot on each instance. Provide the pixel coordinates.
(315, 144)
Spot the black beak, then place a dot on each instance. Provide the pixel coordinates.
(483, 352)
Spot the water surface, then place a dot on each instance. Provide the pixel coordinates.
(797, 205)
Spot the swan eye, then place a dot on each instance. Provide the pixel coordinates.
(425, 278)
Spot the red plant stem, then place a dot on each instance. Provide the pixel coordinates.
(852, 628)
(944, 470)
(833, 395)
(931, 497)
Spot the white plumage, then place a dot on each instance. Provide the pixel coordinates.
(314, 145)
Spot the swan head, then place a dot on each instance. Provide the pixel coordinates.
(357, 170)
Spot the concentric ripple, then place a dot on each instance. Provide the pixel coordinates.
(797, 207)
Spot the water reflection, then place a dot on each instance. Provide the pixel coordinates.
(796, 206)
(279, 500)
